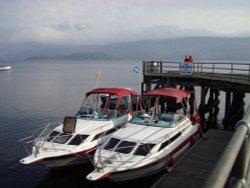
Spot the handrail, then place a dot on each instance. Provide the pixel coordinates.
(238, 146)
(38, 137)
(235, 71)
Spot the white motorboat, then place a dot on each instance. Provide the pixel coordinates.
(150, 142)
(103, 111)
(5, 67)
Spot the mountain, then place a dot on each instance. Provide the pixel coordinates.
(201, 48)
(77, 56)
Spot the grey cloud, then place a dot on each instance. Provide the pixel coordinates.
(103, 21)
(79, 27)
(61, 27)
(65, 26)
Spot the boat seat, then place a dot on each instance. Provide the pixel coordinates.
(69, 124)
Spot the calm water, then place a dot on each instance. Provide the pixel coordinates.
(34, 93)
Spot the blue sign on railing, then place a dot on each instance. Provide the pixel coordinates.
(186, 68)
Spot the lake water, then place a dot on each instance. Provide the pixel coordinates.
(34, 93)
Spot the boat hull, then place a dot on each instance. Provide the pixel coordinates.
(60, 161)
(156, 166)
(66, 161)
(3, 68)
(70, 158)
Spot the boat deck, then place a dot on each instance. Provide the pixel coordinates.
(193, 169)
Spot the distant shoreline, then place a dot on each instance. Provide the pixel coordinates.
(201, 48)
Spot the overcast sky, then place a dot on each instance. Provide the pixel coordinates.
(109, 21)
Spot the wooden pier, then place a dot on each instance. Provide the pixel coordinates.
(194, 168)
(223, 159)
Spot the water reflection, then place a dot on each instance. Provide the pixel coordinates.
(35, 93)
(74, 176)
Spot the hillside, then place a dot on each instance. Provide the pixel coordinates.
(202, 48)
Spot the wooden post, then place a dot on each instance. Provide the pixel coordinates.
(237, 109)
(210, 106)
(201, 107)
(148, 86)
(142, 89)
(216, 107)
(227, 110)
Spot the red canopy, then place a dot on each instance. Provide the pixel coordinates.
(168, 92)
(114, 91)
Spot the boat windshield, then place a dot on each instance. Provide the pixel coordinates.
(103, 107)
(100, 114)
(161, 120)
(62, 138)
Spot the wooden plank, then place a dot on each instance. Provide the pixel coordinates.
(192, 170)
(225, 82)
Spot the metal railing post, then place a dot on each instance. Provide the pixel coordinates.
(242, 167)
(221, 172)
(161, 67)
(213, 71)
(223, 168)
(201, 69)
(143, 67)
(248, 74)
(231, 72)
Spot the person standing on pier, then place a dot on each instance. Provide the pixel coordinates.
(189, 59)
(186, 59)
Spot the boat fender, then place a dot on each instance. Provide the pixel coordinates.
(171, 162)
(196, 119)
(192, 140)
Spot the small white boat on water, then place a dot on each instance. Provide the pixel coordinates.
(103, 112)
(150, 142)
(5, 67)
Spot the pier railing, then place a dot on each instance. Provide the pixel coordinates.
(232, 169)
(233, 72)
